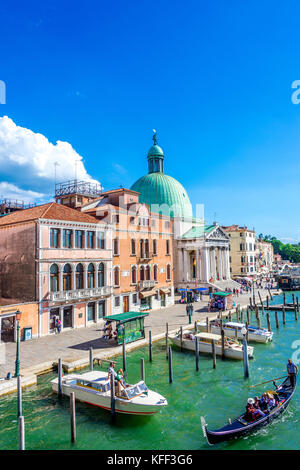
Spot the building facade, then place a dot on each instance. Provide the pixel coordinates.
(264, 256)
(142, 249)
(61, 259)
(242, 251)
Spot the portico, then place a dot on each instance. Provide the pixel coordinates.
(203, 257)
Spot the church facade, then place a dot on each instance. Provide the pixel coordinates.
(201, 252)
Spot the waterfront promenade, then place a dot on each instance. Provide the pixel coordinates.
(38, 355)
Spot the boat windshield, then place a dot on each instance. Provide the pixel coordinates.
(132, 391)
(143, 387)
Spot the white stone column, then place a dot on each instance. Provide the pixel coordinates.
(220, 263)
(185, 265)
(198, 271)
(214, 267)
(180, 265)
(85, 278)
(207, 264)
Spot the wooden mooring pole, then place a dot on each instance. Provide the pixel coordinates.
(170, 365)
(112, 397)
(284, 299)
(247, 334)
(19, 396)
(91, 359)
(296, 316)
(207, 325)
(248, 316)
(21, 433)
(261, 302)
(213, 352)
(245, 358)
(150, 346)
(143, 369)
(297, 298)
(167, 340)
(271, 298)
(276, 319)
(181, 338)
(268, 321)
(293, 297)
(267, 302)
(197, 353)
(73, 417)
(283, 315)
(59, 377)
(223, 343)
(124, 356)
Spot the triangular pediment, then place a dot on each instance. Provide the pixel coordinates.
(217, 234)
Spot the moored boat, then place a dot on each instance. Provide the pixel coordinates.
(233, 329)
(232, 349)
(94, 388)
(241, 426)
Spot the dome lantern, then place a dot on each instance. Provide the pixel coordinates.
(155, 157)
(164, 194)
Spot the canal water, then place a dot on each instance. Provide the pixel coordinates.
(217, 394)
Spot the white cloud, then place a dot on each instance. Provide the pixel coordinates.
(11, 191)
(27, 161)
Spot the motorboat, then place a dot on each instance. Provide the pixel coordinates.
(232, 348)
(94, 388)
(255, 334)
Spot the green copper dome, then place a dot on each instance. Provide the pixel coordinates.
(163, 193)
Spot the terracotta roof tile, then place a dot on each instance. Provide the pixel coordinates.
(51, 210)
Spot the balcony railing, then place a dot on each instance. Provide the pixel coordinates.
(146, 284)
(80, 294)
(145, 257)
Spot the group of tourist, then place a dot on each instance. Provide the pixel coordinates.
(108, 333)
(260, 406)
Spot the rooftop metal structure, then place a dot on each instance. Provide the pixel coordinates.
(83, 188)
(11, 205)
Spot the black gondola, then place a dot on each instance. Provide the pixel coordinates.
(239, 426)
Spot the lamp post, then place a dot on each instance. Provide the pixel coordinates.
(17, 367)
(245, 352)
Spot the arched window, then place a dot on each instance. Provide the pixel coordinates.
(133, 246)
(79, 276)
(167, 247)
(117, 276)
(155, 272)
(116, 246)
(101, 273)
(67, 277)
(54, 278)
(133, 275)
(154, 247)
(142, 273)
(168, 272)
(142, 248)
(91, 276)
(148, 273)
(147, 248)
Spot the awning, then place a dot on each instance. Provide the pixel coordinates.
(165, 290)
(147, 293)
(124, 317)
(222, 294)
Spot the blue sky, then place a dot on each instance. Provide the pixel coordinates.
(214, 79)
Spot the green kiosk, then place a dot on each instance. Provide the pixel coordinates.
(130, 326)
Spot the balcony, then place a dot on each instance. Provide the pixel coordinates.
(80, 294)
(146, 284)
(144, 258)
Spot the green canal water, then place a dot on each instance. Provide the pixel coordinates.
(217, 394)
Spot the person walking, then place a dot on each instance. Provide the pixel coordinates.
(292, 371)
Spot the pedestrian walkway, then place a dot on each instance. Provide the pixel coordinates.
(74, 344)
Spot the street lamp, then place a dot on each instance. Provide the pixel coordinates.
(17, 367)
(244, 331)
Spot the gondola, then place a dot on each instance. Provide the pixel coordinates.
(239, 426)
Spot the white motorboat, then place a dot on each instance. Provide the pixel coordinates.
(232, 350)
(94, 388)
(256, 334)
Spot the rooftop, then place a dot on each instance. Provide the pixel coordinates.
(51, 210)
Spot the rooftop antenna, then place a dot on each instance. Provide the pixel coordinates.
(76, 161)
(55, 165)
